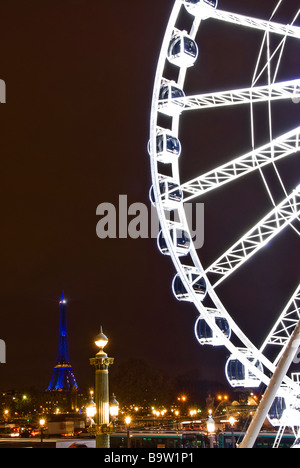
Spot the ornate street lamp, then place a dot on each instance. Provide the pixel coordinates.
(128, 422)
(232, 422)
(211, 427)
(101, 362)
(91, 410)
(42, 427)
(114, 408)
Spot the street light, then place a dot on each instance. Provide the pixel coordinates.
(101, 362)
(114, 408)
(211, 427)
(192, 415)
(232, 422)
(42, 426)
(177, 419)
(91, 409)
(101, 341)
(128, 422)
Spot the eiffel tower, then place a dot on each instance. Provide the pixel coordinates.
(63, 379)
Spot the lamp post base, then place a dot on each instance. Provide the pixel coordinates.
(101, 362)
(102, 441)
(102, 434)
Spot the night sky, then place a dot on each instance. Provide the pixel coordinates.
(74, 133)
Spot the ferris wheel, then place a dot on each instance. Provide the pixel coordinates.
(248, 365)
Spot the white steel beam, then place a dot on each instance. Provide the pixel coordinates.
(263, 25)
(283, 146)
(281, 90)
(286, 323)
(271, 225)
(272, 390)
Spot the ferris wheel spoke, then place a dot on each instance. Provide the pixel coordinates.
(283, 146)
(255, 239)
(285, 325)
(282, 90)
(247, 21)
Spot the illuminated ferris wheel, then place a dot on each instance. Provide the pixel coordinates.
(248, 365)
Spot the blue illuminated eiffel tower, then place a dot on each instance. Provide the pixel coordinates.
(63, 379)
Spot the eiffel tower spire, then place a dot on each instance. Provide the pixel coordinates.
(63, 378)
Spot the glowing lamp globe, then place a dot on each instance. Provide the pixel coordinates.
(211, 427)
(91, 411)
(114, 407)
(101, 341)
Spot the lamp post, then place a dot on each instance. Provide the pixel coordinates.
(101, 362)
(177, 419)
(211, 427)
(128, 422)
(232, 421)
(192, 415)
(42, 425)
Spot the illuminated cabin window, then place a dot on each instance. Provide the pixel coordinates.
(238, 375)
(170, 99)
(181, 241)
(198, 285)
(183, 50)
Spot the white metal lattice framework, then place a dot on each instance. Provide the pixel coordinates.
(279, 148)
(257, 238)
(284, 215)
(285, 325)
(276, 91)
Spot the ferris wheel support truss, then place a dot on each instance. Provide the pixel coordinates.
(283, 146)
(285, 325)
(270, 26)
(280, 217)
(252, 95)
(258, 237)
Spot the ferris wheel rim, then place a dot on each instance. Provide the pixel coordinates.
(165, 226)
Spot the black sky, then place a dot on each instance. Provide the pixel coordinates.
(74, 132)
